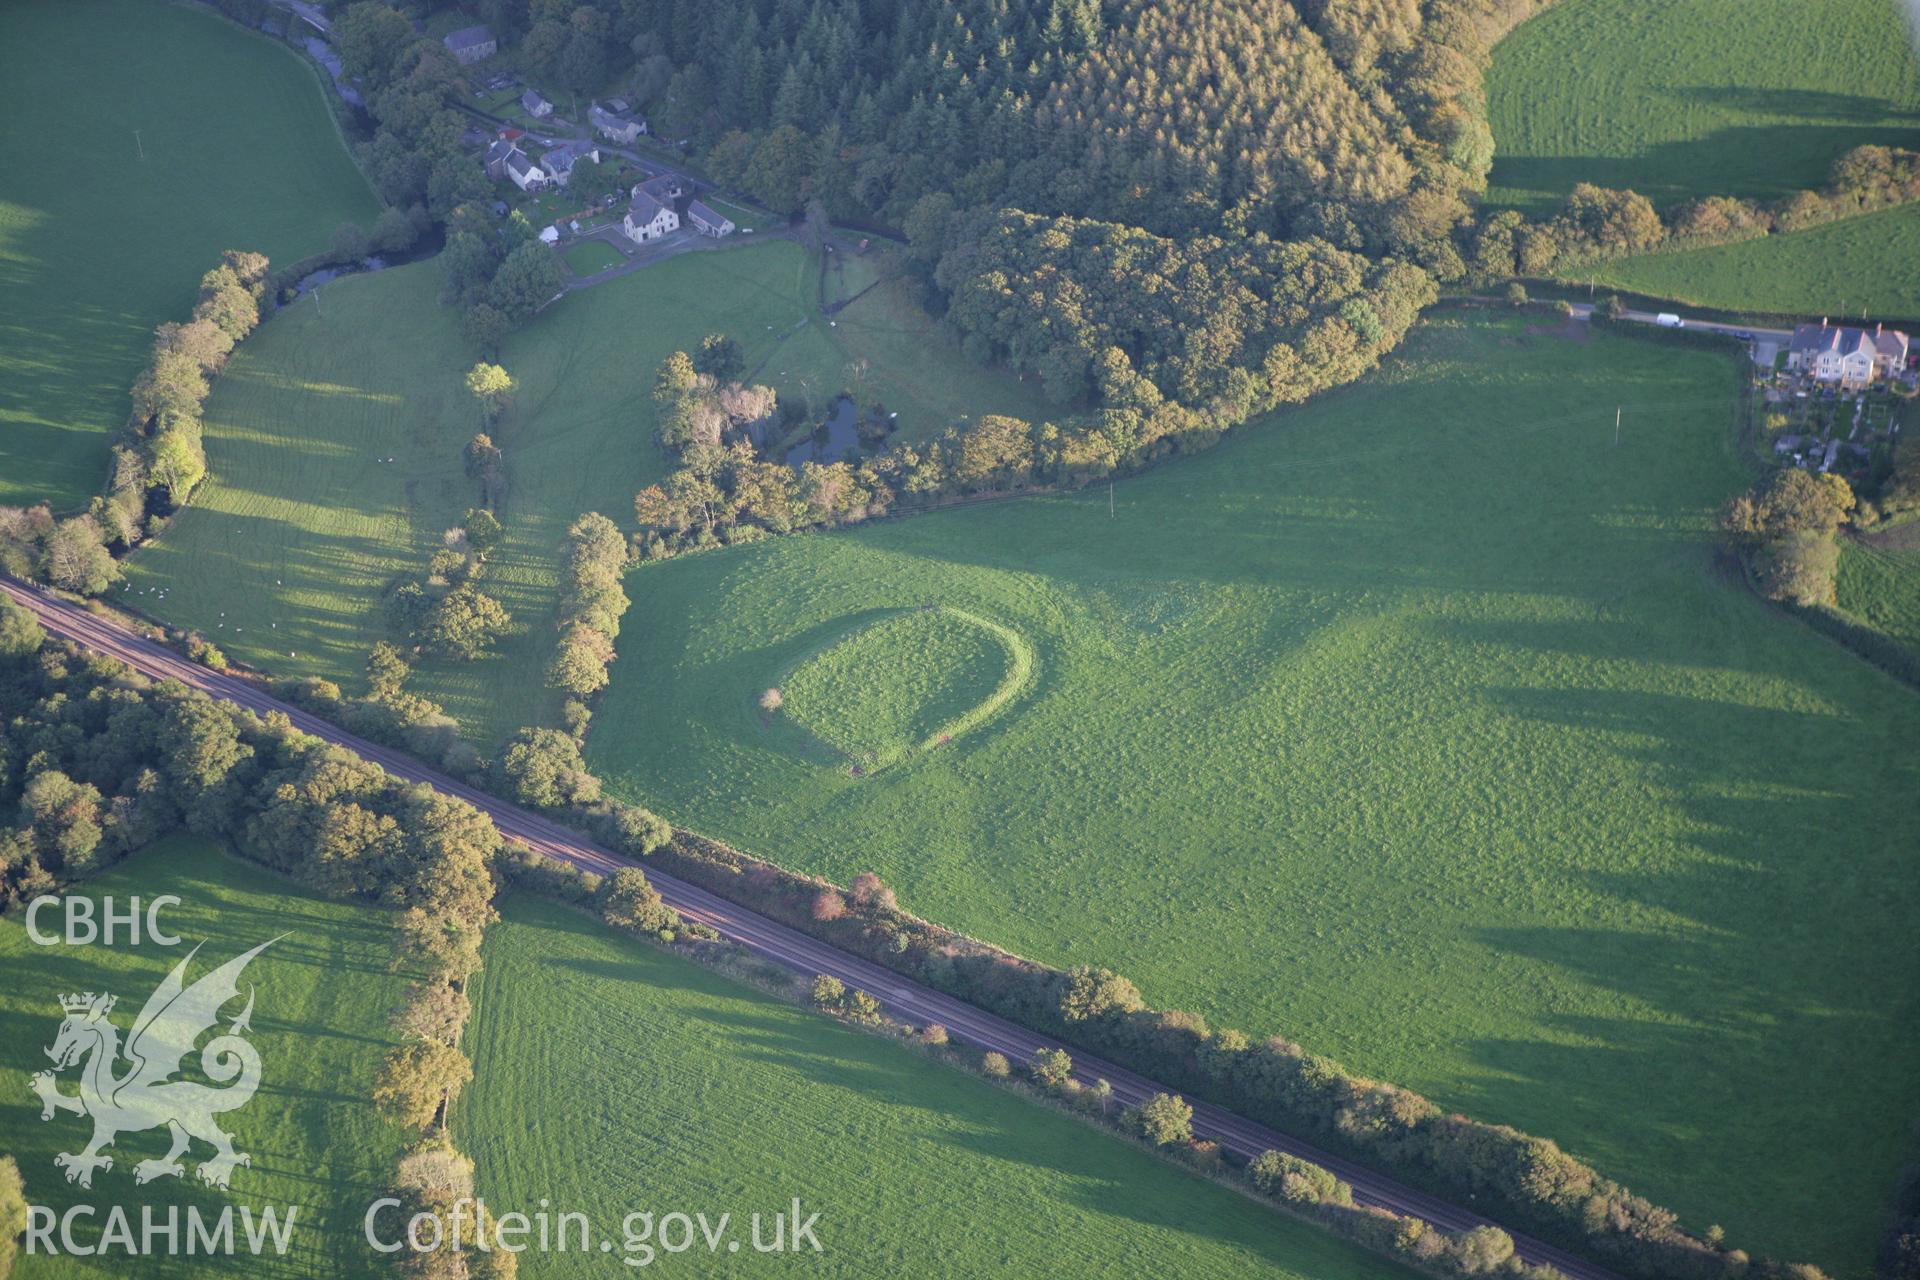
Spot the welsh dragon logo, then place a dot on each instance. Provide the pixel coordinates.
(141, 1095)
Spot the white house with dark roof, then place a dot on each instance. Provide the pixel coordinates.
(469, 45)
(524, 173)
(648, 219)
(1851, 357)
(534, 105)
(707, 222)
(615, 125)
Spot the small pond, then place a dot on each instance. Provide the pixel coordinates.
(834, 439)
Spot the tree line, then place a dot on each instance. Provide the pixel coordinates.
(97, 761)
(1523, 1178)
(1164, 1122)
(1599, 223)
(592, 601)
(159, 458)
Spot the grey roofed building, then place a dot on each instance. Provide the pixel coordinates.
(535, 104)
(663, 187)
(644, 209)
(706, 221)
(620, 126)
(522, 170)
(1882, 345)
(497, 155)
(471, 44)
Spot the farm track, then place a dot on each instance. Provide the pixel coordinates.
(784, 946)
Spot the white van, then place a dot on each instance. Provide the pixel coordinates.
(1668, 320)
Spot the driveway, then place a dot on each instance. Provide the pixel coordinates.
(671, 245)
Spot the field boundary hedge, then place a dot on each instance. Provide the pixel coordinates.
(1275, 1081)
(1283, 1183)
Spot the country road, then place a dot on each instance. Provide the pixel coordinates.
(807, 956)
(1585, 310)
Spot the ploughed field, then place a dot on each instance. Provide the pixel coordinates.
(335, 439)
(611, 1078)
(1419, 725)
(323, 995)
(145, 139)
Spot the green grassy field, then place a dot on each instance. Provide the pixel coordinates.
(146, 139)
(663, 1088)
(1416, 725)
(1869, 264)
(848, 273)
(1881, 583)
(320, 1025)
(901, 682)
(283, 555)
(1680, 98)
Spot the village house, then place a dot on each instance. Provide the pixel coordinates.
(469, 45)
(1853, 358)
(497, 153)
(524, 173)
(558, 162)
(535, 105)
(707, 222)
(648, 219)
(620, 126)
(666, 188)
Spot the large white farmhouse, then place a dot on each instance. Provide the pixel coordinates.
(648, 219)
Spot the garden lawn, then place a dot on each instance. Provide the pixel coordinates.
(611, 1077)
(590, 256)
(283, 555)
(324, 995)
(1418, 725)
(1683, 98)
(744, 218)
(1868, 265)
(145, 139)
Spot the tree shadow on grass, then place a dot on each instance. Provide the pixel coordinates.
(1759, 955)
(1750, 161)
(940, 1109)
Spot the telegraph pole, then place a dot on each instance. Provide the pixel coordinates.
(1616, 426)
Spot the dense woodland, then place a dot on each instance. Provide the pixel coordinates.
(1105, 195)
